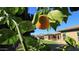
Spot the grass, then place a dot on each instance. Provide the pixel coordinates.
(48, 41)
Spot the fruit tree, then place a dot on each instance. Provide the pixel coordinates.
(16, 24)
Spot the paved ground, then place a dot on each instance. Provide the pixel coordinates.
(54, 46)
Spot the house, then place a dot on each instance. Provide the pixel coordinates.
(38, 36)
(53, 36)
(72, 32)
(60, 35)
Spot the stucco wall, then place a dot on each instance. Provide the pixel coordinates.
(46, 38)
(61, 40)
(72, 34)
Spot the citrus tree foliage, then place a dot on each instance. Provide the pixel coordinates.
(8, 36)
(56, 15)
(16, 26)
(70, 41)
(71, 45)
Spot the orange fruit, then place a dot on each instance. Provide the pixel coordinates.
(43, 22)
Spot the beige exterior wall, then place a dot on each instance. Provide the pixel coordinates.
(52, 37)
(72, 34)
(61, 40)
(46, 38)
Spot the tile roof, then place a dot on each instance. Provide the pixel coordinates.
(72, 28)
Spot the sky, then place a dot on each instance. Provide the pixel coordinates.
(73, 20)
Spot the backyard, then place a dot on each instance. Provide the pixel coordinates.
(48, 41)
(17, 24)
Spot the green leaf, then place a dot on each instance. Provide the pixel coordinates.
(44, 10)
(8, 36)
(11, 23)
(2, 13)
(26, 26)
(70, 41)
(21, 10)
(64, 10)
(30, 41)
(12, 10)
(56, 15)
(36, 16)
(2, 20)
(17, 19)
(40, 8)
(55, 25)
(65, 19)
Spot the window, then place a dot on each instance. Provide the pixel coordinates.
(78, 35)
(64, 35)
